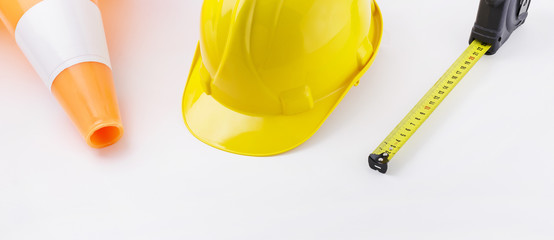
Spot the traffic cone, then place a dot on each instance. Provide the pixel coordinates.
(64, 40)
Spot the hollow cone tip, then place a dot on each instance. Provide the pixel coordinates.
(87, 93)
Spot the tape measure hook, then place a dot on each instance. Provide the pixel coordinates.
(379, 162)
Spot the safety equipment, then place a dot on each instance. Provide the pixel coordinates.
(266, 74)
(64, 40)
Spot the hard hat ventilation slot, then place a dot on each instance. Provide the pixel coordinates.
(205, 79)
(297, 100)
(365, 52)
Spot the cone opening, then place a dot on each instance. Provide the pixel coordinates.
(105, 136)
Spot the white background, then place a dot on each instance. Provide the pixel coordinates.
(482, 167)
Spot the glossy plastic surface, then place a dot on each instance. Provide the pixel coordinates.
(12, 10)
(85, 90)
(267, 74)
(87, 93)
(51, 36)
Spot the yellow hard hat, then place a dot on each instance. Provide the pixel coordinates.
(266, 74)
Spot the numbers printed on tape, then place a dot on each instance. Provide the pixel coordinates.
(434, 97)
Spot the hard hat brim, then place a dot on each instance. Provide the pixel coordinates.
(218, 126)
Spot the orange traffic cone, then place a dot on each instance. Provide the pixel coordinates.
(64, 41)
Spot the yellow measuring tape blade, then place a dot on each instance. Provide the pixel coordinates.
(427, 105)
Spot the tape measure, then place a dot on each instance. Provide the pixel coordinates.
(496, 21)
